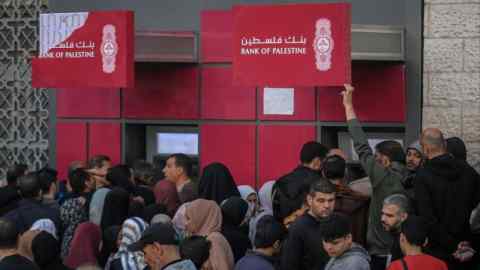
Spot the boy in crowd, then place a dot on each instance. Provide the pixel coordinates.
(344, 253)
(413, 237)
(268, 238)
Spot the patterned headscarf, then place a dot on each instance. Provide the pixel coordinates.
(131, 232)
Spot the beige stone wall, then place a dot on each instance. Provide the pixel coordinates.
(451, 90)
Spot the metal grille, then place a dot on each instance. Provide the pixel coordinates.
(23, 110)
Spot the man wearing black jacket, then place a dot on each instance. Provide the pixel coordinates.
(303, 249)
(446, 191)
(30, 208)
(290, 190)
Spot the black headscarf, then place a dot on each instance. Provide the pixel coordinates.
(120, 176)
(217, 183)
(115, 210)
(109, 244)
(456, 147)
(46, 252)
(234, 210)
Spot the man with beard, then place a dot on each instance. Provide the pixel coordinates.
(394, 213)
(303, 249)
(414, 159)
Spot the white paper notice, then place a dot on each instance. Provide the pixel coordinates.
(278, 101)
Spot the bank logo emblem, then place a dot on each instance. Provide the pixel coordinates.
(109, 48)
(323, 44)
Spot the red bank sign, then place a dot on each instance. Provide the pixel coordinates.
(292, 45)
(85, 49)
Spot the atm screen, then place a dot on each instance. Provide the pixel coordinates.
(170, 143)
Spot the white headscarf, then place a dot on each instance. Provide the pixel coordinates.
(45, 225)
(131, 232)
(265, 196)
(245, 191)
(266, 208)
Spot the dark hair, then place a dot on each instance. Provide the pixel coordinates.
(143, 172)
(78, 180)
(334, 167)
(311, 150)
(196, 248)
(152, 210)
(322, 185)
(337, 226)
(47, 176)
(45, 249)
(415, 229)
(456, 147)
(183, 161)
(392, 149)
(77, 164)
(29, 185)
(97, 161)
(8, 234)
(119, 176)
(14, 172)
(269, 231)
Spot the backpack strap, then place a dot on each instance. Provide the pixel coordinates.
(404, 264)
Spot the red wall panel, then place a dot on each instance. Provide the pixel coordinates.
(88, 103)
(105, 139)
(379, 94)
(216, 28)
(280, 149)
(232, 145)
(163, 92)
(303, 106)
(221, 100)
(71, 145)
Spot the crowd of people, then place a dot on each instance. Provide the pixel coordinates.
(414, 209)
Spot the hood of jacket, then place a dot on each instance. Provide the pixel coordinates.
(446, 167)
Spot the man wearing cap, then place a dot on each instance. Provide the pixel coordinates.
(413, 160)
(160, 245)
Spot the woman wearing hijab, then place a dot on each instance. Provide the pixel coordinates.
(217, 183)
(84, 248)
(166, 194)
(234, 210)
(46, 252)
(109, 245)
(250, 196)
(266, 208)
(115, 209)
(204, 218)
(179, 221)
(124, 259)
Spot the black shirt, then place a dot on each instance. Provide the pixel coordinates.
(17, 262)
(303, 249)
(9, 198)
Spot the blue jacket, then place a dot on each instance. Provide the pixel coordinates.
(29, 211)
(255, 261)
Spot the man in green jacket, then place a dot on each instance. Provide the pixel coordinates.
(385, 169)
